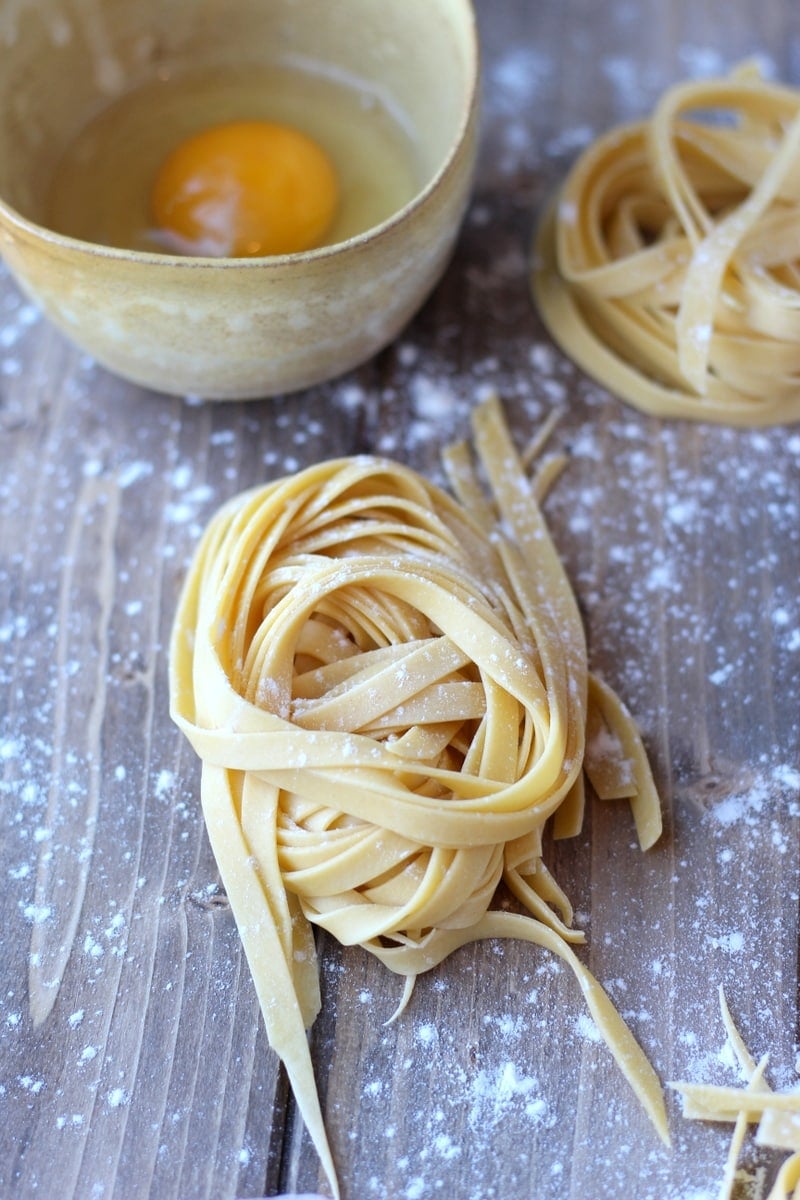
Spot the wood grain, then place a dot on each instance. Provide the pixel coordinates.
(132, 1059)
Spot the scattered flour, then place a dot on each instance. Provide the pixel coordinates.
(497, 1092)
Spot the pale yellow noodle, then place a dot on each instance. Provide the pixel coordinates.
(667, 266)
(389, 692)
(777, 1115)
(787, 1181)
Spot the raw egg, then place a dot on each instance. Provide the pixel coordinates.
(246, 188)
(235, 162)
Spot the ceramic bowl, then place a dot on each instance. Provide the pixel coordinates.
(233, 328)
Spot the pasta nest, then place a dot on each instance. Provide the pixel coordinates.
(668, 266)
(388, 689)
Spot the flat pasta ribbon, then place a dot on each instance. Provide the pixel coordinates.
(388, 689)
(776, 1113)
(668, 266)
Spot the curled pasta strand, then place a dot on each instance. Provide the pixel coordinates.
(667, 265)
(787, 1181)
(389, 693)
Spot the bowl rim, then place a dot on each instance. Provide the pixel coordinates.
(277, 261)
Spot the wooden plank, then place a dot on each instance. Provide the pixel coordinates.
(132, 1059)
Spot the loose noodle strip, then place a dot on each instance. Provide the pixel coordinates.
(667, 267)
(777, 1114)
(709, 1102)
(754, 1073)
(787, 1181)
(389, 692)
(618, 767)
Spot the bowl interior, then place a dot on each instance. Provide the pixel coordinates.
(64, 62)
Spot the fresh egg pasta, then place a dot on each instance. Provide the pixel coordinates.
(776, 1113)
(389, 692)
(668, 266)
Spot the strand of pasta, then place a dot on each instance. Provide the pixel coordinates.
(667, 265)
(777, 1114)
(389, 692)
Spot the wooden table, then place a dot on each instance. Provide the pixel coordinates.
(133, 1061)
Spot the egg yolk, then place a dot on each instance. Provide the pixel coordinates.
(244, 189)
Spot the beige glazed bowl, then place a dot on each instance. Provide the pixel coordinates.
(233, 328)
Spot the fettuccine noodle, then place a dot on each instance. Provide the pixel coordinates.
(668, 267)
(388, 689)
(777, 1115)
